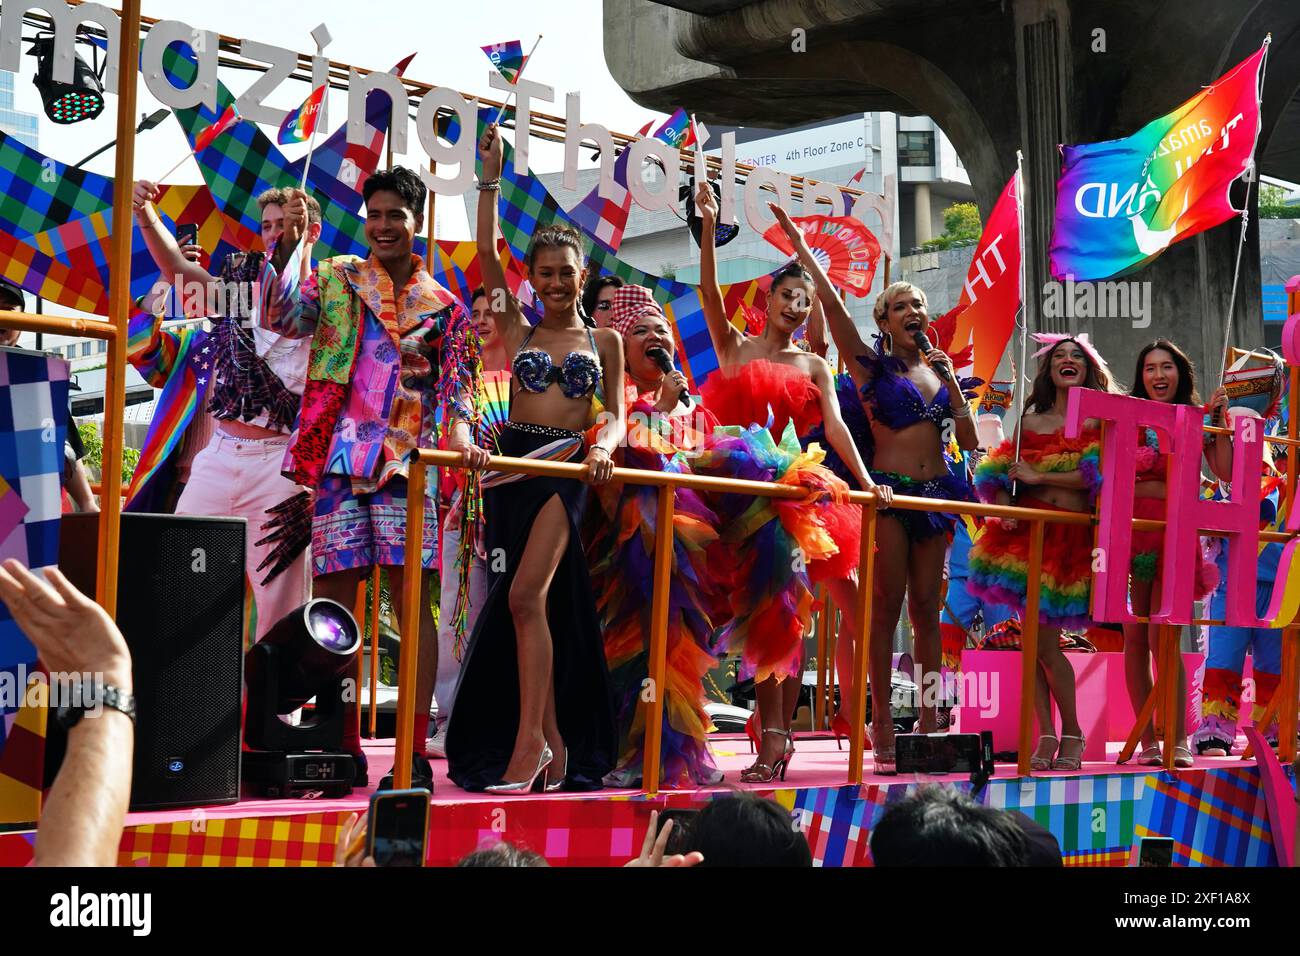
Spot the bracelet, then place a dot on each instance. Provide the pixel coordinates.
(490, 185)
(599, 448)
(962, 411)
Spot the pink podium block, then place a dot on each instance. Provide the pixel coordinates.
(1121, 714)
(990, 687)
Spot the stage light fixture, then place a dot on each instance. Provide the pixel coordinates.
(65, 103)
(307, 655)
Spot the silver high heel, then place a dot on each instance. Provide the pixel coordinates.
(531, 783)
(559, 782)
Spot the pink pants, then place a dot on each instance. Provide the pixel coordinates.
(240, 478)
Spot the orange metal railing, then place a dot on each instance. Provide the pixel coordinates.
(666, 482)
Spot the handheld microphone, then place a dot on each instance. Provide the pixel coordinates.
(660, 357)
(923, 343)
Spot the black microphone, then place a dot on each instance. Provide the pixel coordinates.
(923, 343)
(660, 357)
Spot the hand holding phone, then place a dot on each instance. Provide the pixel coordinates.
(187, 234)
(397, 833)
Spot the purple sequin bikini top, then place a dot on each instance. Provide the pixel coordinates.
(578, 375)
(894, 399)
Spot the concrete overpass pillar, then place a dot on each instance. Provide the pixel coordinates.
(921, 210)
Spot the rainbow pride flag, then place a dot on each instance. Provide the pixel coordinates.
(1122, 202)
(300, 124)
(677, 130)
(226, 120)
(507, 57)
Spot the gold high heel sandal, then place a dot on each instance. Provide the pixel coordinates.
(763, 773)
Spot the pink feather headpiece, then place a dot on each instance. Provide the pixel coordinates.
(1050, 340)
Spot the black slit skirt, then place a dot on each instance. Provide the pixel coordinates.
(485, 721)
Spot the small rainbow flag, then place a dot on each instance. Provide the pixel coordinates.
(300, 124)
(226, 120)
(507, 57)
(678, 131)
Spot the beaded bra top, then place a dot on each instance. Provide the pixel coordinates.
(578, 375)
(894, 399)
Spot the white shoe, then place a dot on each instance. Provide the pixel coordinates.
(436, 746)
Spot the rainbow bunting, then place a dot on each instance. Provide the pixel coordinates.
(507, 57)
(1120, 203)
(301, 123)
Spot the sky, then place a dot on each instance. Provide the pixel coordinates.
(569, 58)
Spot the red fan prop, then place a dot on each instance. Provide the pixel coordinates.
(843, 246)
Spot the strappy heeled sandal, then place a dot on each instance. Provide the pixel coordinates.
(765, 773)
(1150, 757)
(884, 760)
(1070, 763)
(1037, 762)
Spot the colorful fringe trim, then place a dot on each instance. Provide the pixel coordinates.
(621, 541)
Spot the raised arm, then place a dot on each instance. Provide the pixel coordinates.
(726, 338)
(817, 330)
(1218, 451)
(510, 320)
(176, 268)
(844, 333)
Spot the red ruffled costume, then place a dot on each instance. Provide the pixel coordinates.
(774, 395)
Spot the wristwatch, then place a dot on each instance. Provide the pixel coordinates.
(85, 697)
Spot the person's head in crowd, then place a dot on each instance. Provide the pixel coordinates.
(742, 829)
(485, 323)
(557, 269)
(11, 299)
(790, 301)
(503, 854)
(598, 298)
(940, 826)
(394, 213)
(1064, 364)
(637, 317)
(900, 312)
(272, 203)
(1164, 373)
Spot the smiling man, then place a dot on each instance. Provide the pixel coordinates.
(388, 343)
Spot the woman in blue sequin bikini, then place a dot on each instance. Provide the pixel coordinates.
(533, 706)
(911, 404)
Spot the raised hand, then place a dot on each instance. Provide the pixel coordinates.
(491, 152)
(295, 218)
(144, 192)
(708, 205)
(71, 632)
(652, 848)
(792, 232)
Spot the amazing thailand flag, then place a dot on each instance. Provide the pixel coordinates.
(1121, 203)
(678, 131)
(300, 124)
(507, 57)
(986, 311)
(226, 120)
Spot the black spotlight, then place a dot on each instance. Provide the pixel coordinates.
(82, 99)
(308, 654)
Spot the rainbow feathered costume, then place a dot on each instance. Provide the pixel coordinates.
(621, 541)
(999, 559)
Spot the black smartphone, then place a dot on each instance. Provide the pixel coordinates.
(397, 833)
(187, 234)
(683, 824)
(1156, 851)
(939, 753)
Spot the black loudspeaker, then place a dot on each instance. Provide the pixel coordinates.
(180, 606)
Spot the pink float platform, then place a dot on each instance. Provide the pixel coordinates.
(1216, 813)
(1106, 715)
